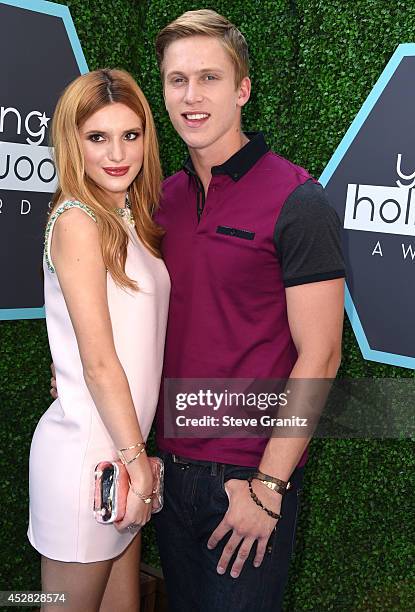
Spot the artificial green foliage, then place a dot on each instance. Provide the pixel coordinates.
(313, 63)
(109, 31)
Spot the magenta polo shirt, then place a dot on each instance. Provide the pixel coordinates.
(263, 225)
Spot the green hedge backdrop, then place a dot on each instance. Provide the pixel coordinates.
(313, 64)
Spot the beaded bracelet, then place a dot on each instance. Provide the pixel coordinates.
(270, 513)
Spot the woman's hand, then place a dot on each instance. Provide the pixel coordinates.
(138, 512)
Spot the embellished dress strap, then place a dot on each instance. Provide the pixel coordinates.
(49, 227)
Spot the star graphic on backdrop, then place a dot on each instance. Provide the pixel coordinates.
(44, 120)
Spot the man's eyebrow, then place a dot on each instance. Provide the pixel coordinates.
(202, 71)
(174, 72)
(211, 70)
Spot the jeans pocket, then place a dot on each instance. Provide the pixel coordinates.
(233, 472)
(237, 472)
(282, 539)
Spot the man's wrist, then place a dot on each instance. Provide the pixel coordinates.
(267, 500)
(268, 487)
(272, 483)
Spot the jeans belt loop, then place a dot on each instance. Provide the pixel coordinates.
(213, 465)
(176, 459)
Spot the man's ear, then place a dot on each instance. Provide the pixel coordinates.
(244, 91)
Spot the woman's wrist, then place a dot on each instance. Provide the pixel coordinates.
(147, 498)
(131, 453)
(139, 471)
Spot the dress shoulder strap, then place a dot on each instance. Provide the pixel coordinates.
(50, 225)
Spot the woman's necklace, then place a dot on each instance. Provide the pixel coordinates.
(126, 213)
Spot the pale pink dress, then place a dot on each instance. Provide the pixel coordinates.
(70, 438)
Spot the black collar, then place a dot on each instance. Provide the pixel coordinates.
(242, 161)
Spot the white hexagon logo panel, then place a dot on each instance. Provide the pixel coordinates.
(370, 182)
(39, 55)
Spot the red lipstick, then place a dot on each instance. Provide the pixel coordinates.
(118, 171)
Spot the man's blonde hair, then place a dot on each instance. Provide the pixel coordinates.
(206, 22)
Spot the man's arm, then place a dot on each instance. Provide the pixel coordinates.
(315, 313)
(53, 387)
(307, 242)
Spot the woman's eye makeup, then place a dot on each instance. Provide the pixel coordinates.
(132, 135)
(101, 137)
(95, 137)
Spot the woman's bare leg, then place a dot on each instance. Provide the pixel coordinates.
(83, 583)
(123, 588)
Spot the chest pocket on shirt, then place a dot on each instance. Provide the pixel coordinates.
(233, 231)
(239, 259)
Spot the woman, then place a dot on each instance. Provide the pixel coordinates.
(106, 300)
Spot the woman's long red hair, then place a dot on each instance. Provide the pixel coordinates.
(82, 98)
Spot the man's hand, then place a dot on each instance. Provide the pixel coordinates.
(53, 387)
(248, 523)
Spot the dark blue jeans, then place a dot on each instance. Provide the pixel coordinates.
(195, 502)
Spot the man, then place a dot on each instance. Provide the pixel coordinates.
(252, 248)
(253, 252)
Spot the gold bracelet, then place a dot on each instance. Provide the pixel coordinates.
(133, 446)
(128, 461)
(147, 499)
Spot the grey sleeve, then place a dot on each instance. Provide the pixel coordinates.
(307, 237)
